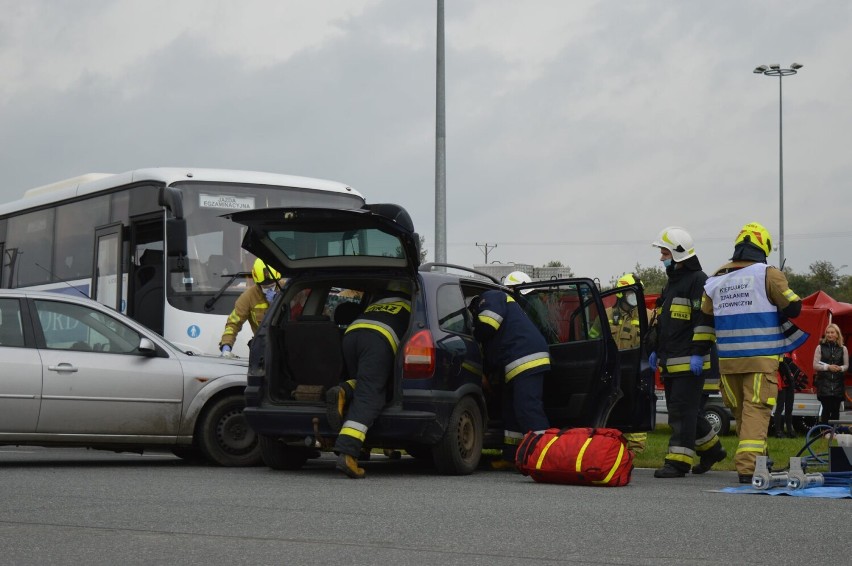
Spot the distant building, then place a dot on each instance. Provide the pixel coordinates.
(500, 270)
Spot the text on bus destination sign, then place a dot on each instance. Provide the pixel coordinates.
(226, 202)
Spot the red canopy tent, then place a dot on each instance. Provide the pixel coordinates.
(818, 310)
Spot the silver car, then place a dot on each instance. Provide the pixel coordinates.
(76, 373)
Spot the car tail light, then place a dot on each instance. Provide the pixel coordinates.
(419, 356)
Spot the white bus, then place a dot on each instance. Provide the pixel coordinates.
(151, 243)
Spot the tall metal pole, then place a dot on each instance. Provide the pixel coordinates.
(440, 148)
(780, 174)
(775, 70)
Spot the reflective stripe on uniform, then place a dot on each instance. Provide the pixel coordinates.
(680, 309)
(512, 437)
(681, 364)
(491, 318)
(750, 445)
(756, 386)
(723, 381)
(526, 363)
(706, 441)
(382, 329)
(703, 333)
(257, 313)
(681, 454)
(354, 429)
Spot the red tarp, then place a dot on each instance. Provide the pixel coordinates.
(817, 311)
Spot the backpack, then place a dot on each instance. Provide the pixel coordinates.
(576, 456)
(793, 376)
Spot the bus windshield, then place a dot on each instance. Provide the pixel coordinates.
(213, 243)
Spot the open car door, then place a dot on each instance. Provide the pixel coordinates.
(590, 383)
(636, 410)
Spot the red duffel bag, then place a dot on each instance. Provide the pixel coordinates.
(577, 456)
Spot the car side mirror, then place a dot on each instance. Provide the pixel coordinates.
(176, 236)
(147, 347)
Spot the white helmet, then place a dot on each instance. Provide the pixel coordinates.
(677, 241)
(516, 278)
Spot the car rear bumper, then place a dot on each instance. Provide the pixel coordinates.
(293, 423)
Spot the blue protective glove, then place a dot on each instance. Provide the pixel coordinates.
(696, 364)
(652, 361)
(270, 294)
(226, 352)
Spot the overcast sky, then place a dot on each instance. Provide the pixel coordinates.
(576, 130)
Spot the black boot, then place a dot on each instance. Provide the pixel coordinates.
(776, 422)
(707, 460)
(791, 433)
(669, 471)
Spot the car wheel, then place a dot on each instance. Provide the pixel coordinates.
(279, 456)
(458, 452)
(718, 420)
(224, 435)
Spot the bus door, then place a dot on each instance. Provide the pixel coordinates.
(148, 272)
(107, 277)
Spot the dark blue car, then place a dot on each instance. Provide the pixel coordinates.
(440, 406)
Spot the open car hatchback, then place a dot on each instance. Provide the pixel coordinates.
(440, 405)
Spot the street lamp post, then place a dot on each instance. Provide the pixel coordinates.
(775, 70)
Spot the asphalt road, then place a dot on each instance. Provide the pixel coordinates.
(75, 506)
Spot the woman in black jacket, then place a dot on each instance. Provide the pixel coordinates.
(831, 360)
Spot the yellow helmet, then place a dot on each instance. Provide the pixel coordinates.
(624, 280)
(755, 234)
(263, 274)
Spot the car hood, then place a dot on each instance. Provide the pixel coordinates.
(298, 240)
(214, 366)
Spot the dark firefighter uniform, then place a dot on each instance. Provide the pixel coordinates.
(677, 315)
(369, 350)
(512, 344)
(251, 306)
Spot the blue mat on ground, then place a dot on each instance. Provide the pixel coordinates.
(819, 492)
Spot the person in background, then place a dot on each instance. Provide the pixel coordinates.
(745, 308)
(533, 306)
(787, 371)
(831, 360)
(513, 346)
(251, 305)
(370, 344)
(623, 319)
(682, 367)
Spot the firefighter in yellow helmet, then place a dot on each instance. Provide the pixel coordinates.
(251, 305)
(745, 308)
(623, 319)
